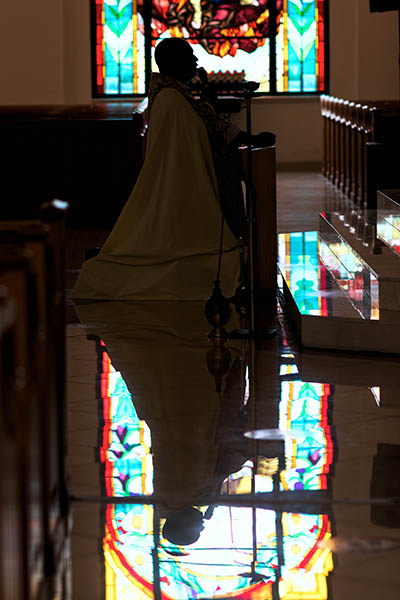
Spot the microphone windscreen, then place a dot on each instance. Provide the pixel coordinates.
(202, 73)
(252, 86)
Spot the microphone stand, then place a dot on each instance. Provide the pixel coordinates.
(217, 308)
(244, 295)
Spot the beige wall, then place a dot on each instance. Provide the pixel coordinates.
(77, 61)
(296, 123)
(32, 52)
(364, 52)
(50, 63)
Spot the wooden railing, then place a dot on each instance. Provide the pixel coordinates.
(361, 146)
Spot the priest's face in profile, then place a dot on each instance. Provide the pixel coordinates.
(175, 57)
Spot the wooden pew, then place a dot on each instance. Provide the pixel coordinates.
(16, 276)
(11, 537)
(44, 243)
(88, 155)
(53, 216)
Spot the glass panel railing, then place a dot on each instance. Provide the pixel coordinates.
(320, 268)
(351, 273)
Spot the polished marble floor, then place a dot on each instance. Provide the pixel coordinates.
(242, 472)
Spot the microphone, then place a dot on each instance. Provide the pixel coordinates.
(202, 74)
(208, 91)
(251, 86)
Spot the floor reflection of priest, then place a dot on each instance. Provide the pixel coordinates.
(160, 351)
(197, 437)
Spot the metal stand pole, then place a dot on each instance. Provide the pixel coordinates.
(245, 293)
(250, 208)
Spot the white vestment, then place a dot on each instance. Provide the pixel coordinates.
(165, 243)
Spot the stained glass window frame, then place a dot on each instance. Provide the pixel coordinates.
(97, 46)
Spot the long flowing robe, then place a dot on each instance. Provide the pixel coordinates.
(165, 243)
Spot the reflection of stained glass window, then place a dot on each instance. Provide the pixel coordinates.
(279, 43)
(303, 271)
(310, 261)
(388, 230)
(289, 558)
(125, 451)
(352, 274)
(304, 410)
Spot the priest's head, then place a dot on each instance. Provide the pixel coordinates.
(174, 57)
(184, 526)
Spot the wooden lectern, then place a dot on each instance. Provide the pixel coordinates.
(265, 240)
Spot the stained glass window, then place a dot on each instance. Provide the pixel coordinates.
(300, 46)
(279, 43)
